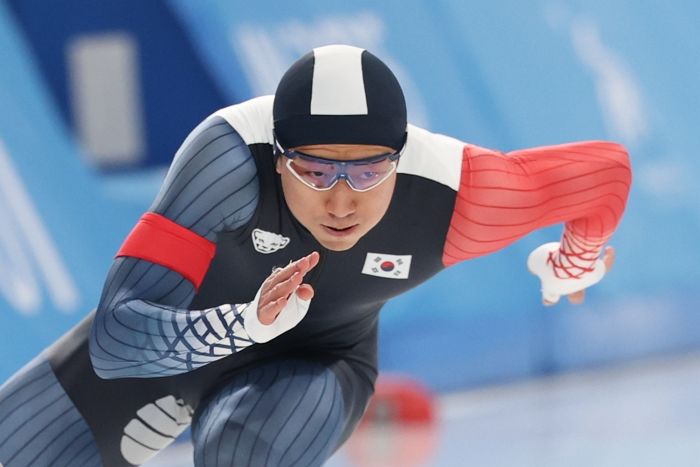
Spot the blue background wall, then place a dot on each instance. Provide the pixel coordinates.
(502, 74)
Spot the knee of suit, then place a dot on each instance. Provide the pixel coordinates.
(282, 414)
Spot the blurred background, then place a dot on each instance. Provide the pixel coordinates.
(95, 98)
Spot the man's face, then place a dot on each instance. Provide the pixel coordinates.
(339, 217)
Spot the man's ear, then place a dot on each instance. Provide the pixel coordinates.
(278, 165)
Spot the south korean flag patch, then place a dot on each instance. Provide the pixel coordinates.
(388, 266)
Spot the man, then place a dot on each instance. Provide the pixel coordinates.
(246, 301)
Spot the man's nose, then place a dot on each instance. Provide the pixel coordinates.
(341, 200)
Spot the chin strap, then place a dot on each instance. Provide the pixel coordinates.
(544, 262)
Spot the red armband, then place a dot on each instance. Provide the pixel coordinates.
(159, 240)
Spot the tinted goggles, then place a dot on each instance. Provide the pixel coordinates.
(322, 174)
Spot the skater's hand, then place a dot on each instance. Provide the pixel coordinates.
(553, 287)
(281, 284)
(577, 298)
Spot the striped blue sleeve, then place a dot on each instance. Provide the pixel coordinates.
(142, 327)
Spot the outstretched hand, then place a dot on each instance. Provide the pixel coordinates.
(577, 298)
(281, 284)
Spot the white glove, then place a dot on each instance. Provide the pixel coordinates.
(554, 287)
(292, 313)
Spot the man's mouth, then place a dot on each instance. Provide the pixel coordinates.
(339, 231)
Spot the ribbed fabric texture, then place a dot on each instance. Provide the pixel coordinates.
(39, 425)
(287, 413)
(142, 327)
(503, 197)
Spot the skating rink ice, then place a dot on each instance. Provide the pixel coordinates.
(641, 414)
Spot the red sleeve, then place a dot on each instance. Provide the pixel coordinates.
(503, 197)
(157, 239)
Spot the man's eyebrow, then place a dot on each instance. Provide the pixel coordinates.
(335, 150)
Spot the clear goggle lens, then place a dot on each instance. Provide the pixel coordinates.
(322, 174)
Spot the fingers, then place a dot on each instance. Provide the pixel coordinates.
(284, 288)
(314, 258)
(282, 283)
(577, 298)
(305, 292)
(609, 258)
(275, 298)
(302, 266)
(269, 311)
(549, 299)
